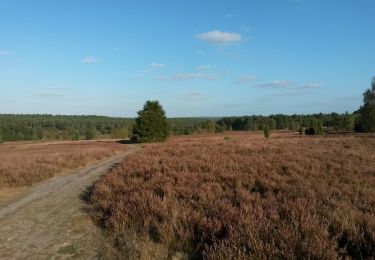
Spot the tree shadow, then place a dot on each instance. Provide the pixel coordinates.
(125, 141)
(85, 197)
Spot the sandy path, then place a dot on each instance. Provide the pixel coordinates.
(51, 221)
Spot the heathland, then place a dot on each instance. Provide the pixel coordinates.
(25, 163)
(237, 195)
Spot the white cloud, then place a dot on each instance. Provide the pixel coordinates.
(157, 65)
(5, 53)
(220, 37)
(205, 67)
(89, 60)
(186, 76)
(246, 79)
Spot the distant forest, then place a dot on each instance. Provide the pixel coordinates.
(60, 127)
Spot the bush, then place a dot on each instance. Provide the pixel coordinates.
(366, 121)
(90, 134)
(118, 133)
(316, 128)
(187, 131)
(151, 124)
(210, 126)
(266, 131)
(75, 137)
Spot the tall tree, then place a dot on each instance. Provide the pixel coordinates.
(366, 121)
(151, 124)
(369, 95)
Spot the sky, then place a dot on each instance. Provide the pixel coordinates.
(197, 57)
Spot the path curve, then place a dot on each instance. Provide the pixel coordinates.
(51, 221)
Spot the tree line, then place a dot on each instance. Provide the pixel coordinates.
(153, 125)
(30, 127)
(334, 121)
(55, 127)
(52, 127)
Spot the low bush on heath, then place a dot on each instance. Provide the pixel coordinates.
(204, 197)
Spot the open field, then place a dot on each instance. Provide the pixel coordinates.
(23, 164)
(237, 195)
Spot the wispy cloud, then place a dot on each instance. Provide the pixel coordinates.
(192, 96)
(52, 91)
(287, 88)
(205, 67)
(187, 76)
(5, 53)
(58, 88)
(50, 94)
(220, 37)
(157, 65)
(246, 79)
(291, 85)
(312, 85)
(278, 84)
(89, 60)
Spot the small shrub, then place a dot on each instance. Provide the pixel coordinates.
(187, 131)
(90, 134)
(266, 131)
(316, 128)
(260, 187)
(75, 137)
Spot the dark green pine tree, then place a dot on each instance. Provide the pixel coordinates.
(151, 124)
(366, 120)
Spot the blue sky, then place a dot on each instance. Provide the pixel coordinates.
(198, 58)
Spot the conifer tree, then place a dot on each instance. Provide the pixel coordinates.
(151, 124)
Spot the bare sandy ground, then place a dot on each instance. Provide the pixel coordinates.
(51, 221)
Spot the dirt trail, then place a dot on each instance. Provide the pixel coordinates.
(51, 221)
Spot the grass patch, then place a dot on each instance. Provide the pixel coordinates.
(67, 250)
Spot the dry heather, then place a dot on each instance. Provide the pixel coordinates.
(240, 196)
(24, 164)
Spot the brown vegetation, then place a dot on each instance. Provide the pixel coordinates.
(236, 196)
(24, 164)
